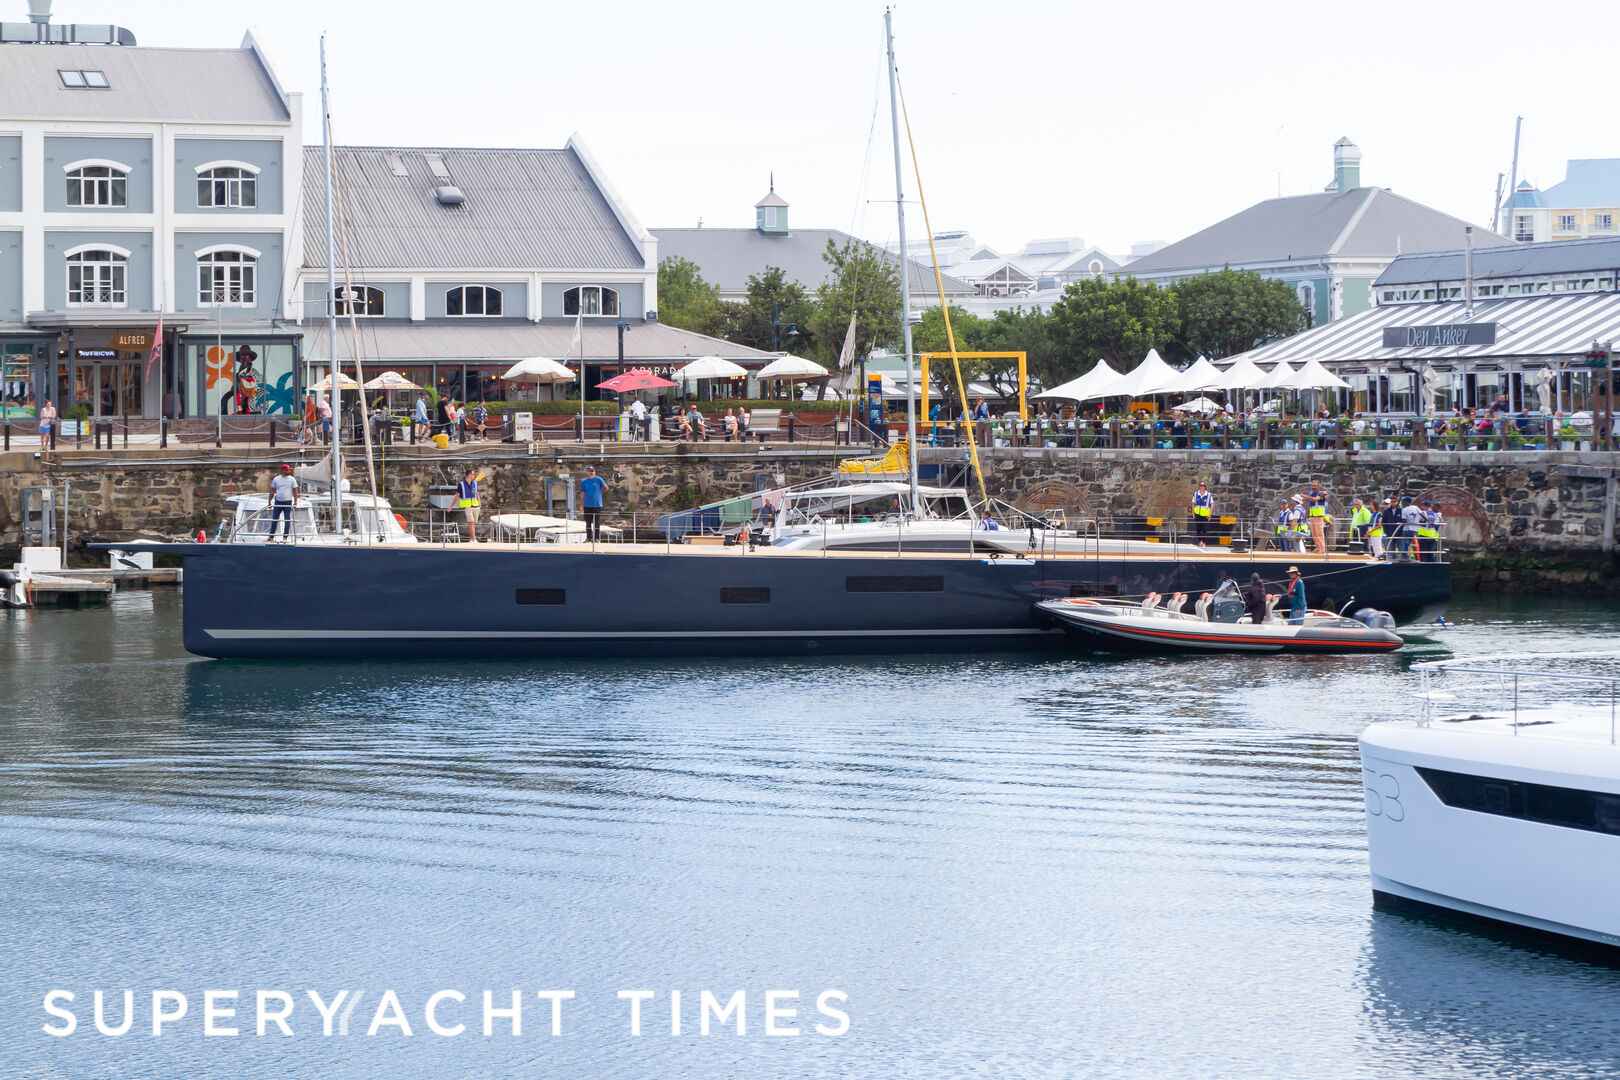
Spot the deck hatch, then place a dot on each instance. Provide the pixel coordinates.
(542, 597)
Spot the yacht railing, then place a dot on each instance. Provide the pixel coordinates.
(1509, 679)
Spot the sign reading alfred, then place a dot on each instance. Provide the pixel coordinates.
(1444, 336)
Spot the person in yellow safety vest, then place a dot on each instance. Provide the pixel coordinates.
(1375, 537)
(467, 500)
(1285, 526)
(1298, 535)
(1360, 518)
(1428, 532)
(1203, 506)
(1316, 510)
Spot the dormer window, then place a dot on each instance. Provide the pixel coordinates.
(472, 300)
(590, 300)
(227, 184)
(97, 183)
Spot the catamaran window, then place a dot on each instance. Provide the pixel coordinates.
(96, 278)
(590, 300)
(542, 597)
(1569, 808)
(894, 583)
(98, 185)
(745, 596)
(227, 278)
(472, 300)
(365, 300)
(228, 185)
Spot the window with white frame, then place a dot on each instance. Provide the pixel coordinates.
(1307, 296)
(472, 300)
(364, 301)
(227, 278)
(98, 185)
(1566, 223)
(97, 277)
(1096, 267)
(590, 300)
(228, 185)
(1523, 230)
(1603, 223)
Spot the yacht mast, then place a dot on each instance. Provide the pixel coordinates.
(331, 308)
(905, 268)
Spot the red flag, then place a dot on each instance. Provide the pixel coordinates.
(157, 346)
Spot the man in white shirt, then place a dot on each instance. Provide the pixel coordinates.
(283, 497)
(638, 419)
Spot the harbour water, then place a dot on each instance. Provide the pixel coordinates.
(1041, 867)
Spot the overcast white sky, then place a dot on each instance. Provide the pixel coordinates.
(1114, 122)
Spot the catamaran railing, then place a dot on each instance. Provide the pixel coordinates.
(1508, 680)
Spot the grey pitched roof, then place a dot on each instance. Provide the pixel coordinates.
(524, 210)
(388, 344)
(1364, 222)
(728, 256)
(1510, 261)
(179, 85)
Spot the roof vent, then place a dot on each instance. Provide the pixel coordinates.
(449, 195)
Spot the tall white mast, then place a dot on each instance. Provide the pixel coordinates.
(905, 265)
(331, 307)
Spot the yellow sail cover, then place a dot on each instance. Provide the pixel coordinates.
(896, 461)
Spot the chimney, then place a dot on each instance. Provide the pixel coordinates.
(1346, 166)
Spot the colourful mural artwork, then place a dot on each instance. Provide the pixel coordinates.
(220, 367)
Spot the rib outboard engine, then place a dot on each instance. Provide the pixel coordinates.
(1227, 606)
(11, 592)
(1374, 619)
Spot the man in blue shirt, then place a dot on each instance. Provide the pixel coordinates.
(592, 488)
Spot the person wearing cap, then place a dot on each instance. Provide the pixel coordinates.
(467, 500)
(283, 497)
(592, 488)
(1390, 520)
(1254, 599)
(1411, 519)
(1296, 597)
(1203, 506)
(1316, 511)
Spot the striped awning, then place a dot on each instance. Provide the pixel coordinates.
(1533, 329)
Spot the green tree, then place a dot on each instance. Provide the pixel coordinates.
(1028, 332)
(1233, 311)
(685, 300)
(771, 299)
(865, 282)
(1118, 321)
(929, 337)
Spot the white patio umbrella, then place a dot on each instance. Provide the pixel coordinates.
(1199, 405)
(540, 369)
(1084, 388)
(1544, 390)
(711, 367)
(391, 380)
(1313, 376)
(1275, 377)
(792, 369)
(1243, 375)
(1151, 376)
(1202, 375)
(344, 383)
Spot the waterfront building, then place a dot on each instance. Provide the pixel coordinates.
(727, 258)
(1586, 203)
(142, 185)
(1330, 246)
(1513, 321)
(462, 261)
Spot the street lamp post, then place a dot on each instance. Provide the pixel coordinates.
(778, 325)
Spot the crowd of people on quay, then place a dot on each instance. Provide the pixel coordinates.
(1401, 527)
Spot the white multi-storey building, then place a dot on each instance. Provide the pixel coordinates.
(138, 186)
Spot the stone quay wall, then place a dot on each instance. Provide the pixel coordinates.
(1499, 505)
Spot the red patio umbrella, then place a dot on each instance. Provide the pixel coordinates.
(639, 379)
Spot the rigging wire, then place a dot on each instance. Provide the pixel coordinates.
(944, 306)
